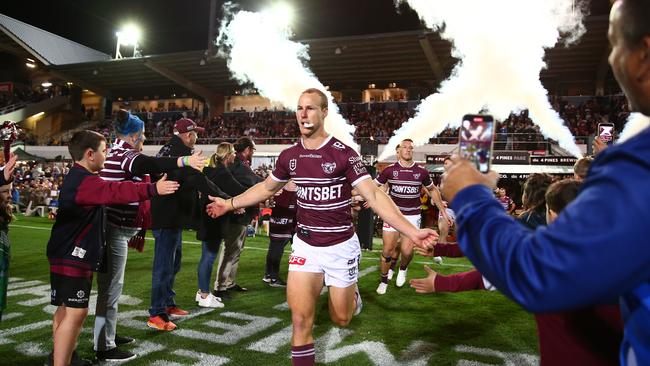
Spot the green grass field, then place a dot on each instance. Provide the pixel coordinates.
(399, 328)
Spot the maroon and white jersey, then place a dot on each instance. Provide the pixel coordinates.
(404, 185)
(325, 177)
(282, 224)
(117, 168)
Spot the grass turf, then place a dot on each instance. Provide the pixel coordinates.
(437, 329)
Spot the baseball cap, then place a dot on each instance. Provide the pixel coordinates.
(186, 125)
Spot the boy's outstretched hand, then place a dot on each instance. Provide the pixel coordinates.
(165, 187)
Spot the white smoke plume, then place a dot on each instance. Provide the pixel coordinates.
(501, 46)
(258, 50)
(636, 123)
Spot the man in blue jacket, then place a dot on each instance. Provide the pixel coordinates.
(567, 265)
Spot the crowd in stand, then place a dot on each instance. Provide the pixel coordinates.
(378, 121)
(24, 95)
(37, 184)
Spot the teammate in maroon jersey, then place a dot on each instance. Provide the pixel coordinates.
(403, 181)
(325, 247)
(447, 217)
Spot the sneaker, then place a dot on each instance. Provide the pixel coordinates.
(277, 282)
(114, 355)
(381, 289)
(437, 260)
(175, 310)
(74, 361)
(198, 296)
(222, 294)
(120, 340)
(390, 274)
(161, 322)
(237, 288)
(210, 301)
(401, 278)
(267, 278)
(358, 302)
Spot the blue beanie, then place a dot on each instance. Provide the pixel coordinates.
(132, 125)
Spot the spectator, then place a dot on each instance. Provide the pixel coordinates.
(524, 264)
(234, 234)
(211, 231)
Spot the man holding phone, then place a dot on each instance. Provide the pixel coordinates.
(523, 264)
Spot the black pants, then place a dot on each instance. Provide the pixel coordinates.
(274, 256)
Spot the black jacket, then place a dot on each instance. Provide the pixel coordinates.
(247, 178)
(209, 228)
(176, 211)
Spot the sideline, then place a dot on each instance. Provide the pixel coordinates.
(264, 248)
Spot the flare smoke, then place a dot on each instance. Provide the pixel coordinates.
(258, 51)
(501, 46)
(636, 123)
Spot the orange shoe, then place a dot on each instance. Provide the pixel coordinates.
(160, 323)
(175, 310)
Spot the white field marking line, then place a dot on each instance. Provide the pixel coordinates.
(258, 248)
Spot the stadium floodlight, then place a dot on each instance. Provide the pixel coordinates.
(281, 13)
(128, 36)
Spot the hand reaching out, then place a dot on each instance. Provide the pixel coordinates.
(426, 251)
(425, 285)
(8, 170)
(165, 187)
(197, 160)
(424, 238)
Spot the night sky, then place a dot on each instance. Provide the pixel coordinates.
(182, 25)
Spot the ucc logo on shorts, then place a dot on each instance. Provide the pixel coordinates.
(298, 261)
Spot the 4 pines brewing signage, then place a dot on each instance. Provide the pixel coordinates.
(552, 160)
(511, 157)
(514, 158)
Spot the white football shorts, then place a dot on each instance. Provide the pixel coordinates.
(339, 263)
(416, 220)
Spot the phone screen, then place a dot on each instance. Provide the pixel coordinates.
(476, 135)
(606, 132)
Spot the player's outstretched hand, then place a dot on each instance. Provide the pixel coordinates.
(424, 238)
(165, 187)
(425, 285)
(197, 160)
(463, 174)
(217, 207)
(8, 171)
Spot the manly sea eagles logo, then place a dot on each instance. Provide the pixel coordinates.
(292, 164)
(395, 173)
(339, 145)
(416, 175)
(328, 167)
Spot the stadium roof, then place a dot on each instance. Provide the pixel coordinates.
(410, 59)
(23, 39)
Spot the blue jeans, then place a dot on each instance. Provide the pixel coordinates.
(205, 265)
(109, 286)
(166, 264)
